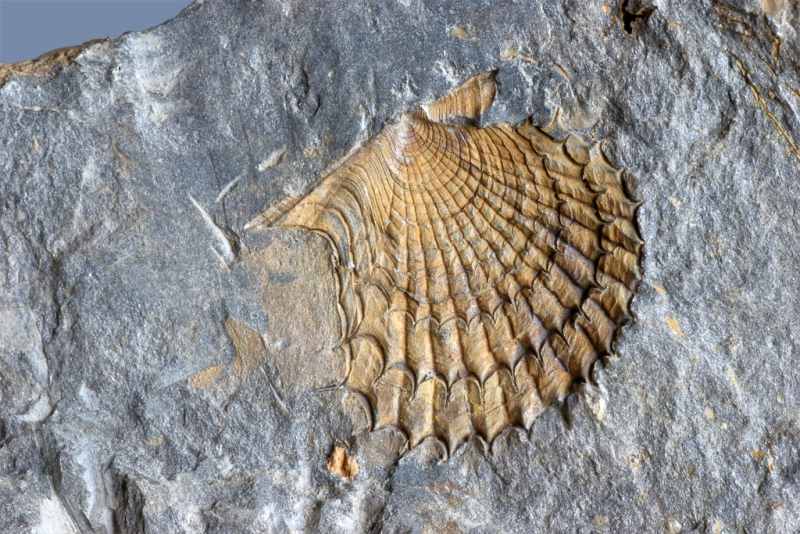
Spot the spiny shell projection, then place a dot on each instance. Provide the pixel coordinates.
(480, 270)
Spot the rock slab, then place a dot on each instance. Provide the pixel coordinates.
(164, 370)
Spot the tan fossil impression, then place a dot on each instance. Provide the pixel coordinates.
(480, 270)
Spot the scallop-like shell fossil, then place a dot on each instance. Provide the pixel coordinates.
(481, 271)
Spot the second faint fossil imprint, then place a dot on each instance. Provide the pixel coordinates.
(480, 271)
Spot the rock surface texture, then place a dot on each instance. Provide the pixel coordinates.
(163, 369)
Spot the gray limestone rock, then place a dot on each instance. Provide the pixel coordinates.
(164, 370)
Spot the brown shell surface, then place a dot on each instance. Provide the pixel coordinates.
(481, 271)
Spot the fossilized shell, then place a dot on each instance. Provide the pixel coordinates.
(481, 271)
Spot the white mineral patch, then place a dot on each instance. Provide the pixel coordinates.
(273, 160)
(88, 397)
(14, 337)
(54, 519)
(39, 411)
(91, 178)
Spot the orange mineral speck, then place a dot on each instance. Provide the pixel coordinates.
(342, 464)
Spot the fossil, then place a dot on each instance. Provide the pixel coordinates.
(480, 271)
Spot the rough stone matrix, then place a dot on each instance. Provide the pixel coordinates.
(164, 370)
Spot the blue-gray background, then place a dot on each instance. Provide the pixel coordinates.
(29, 28)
